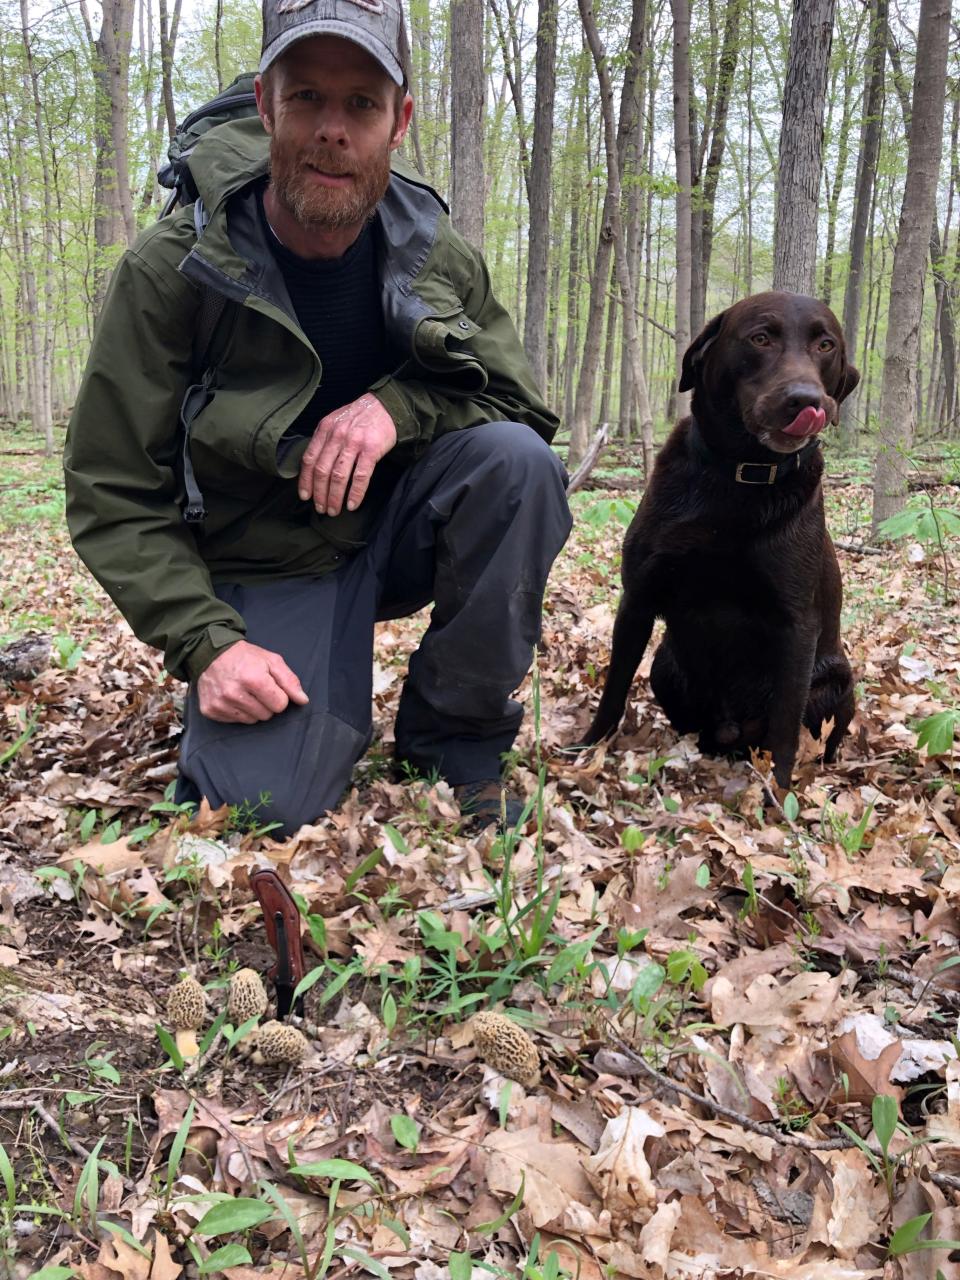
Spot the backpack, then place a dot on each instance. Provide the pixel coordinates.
(235, 102)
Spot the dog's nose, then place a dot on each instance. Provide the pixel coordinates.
(801, 395)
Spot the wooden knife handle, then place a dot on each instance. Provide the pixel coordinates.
(275, 898)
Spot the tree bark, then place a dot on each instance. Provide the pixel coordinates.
(466, 119)
(707, 191)
(898, 406)
(684, 170)
(621, 259)
(114, 223)
(863, 196)
(801, 146)
(538, 259)
(582, 421)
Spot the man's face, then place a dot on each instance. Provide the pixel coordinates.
(334, 116)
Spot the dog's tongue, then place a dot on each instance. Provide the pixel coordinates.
(808, 422)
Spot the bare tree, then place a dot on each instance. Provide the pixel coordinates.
(627, 291)
(706, 180)
(801, 146)
(466, 118)
(582, 417)
(535, 318)
(682, 151)
(866, 177)
(114, 224)
(898, 406)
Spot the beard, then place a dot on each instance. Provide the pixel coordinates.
(317, 207)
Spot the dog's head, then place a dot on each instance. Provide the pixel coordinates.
(774, 365)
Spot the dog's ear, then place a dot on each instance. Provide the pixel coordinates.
(848, 381)
(694, 355)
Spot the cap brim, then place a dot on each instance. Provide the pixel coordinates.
(332, 27)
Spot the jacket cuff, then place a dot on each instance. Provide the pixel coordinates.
(388, 392)
(214, 641)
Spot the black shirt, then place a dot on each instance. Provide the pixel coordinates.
(338, 306)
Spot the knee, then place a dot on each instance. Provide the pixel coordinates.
(515, 452)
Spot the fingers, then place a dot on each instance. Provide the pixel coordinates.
(341, 457)
(246, 684)
(287, 680)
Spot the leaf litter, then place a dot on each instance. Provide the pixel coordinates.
(719, 980)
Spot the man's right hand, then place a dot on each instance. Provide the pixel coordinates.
(245, 684)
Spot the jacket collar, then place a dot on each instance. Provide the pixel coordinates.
(762, 473)
(233, 258)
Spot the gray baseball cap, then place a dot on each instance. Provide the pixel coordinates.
(375, 25)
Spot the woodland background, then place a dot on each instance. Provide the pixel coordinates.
(756, 143)
(744, 1004)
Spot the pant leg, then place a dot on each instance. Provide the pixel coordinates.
(302, 758)
(475, 526)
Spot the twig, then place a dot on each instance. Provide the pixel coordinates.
(764, 1130)
(589, 459)
(77, 1148)
(858, 548)
(772, 796)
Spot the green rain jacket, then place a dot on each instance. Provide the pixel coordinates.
(463, 365)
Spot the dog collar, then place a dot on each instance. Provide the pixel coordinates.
(763, 473)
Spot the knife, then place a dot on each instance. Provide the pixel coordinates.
(281, 918)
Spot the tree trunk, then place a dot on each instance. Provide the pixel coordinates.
(41, 318)
(582, 420)
(466, 119)
(684, 169)
(703, 252)
(538, 260)
(801, 146)
(898, 407)
(114, 225)
(863, 196)
(627, 294)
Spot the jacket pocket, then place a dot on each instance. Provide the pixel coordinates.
(439, 345)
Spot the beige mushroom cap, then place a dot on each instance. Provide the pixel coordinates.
(186, 1010)
(278, 1043)
(186, 1005)
(507, 1048)
(248, 997)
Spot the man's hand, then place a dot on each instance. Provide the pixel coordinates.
(350, 441)
(245, 684)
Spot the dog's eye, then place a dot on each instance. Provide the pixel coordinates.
(760, 339)
(827, 344)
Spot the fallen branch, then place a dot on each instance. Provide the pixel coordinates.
(643, 1068)
(589, 459)
(858, 548)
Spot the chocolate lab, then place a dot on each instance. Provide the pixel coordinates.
(729, 544)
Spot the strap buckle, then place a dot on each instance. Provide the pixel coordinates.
(771, 469)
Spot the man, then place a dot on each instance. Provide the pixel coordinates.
(363, 432)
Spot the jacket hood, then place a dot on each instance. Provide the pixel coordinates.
(232, 155)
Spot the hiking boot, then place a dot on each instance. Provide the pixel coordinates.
(486, 802)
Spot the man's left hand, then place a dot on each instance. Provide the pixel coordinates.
(348, 442)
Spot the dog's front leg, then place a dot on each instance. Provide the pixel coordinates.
(631, 634)
(791, 689)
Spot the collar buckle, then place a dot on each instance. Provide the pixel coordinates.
(770, 468)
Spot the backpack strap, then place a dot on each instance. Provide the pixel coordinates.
(197, 395)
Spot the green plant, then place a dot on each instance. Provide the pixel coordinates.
(792, 1110)
(884, 1113)
(938, 731)
(837, 827)
(929, 525)
(244, 818)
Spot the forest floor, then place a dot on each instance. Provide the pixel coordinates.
(745, 1011)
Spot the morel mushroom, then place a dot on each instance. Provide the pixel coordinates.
(278, 1043)
(507, 1048)
(248, 998)
(186, 1008)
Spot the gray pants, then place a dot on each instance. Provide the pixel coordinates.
(474, 526)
